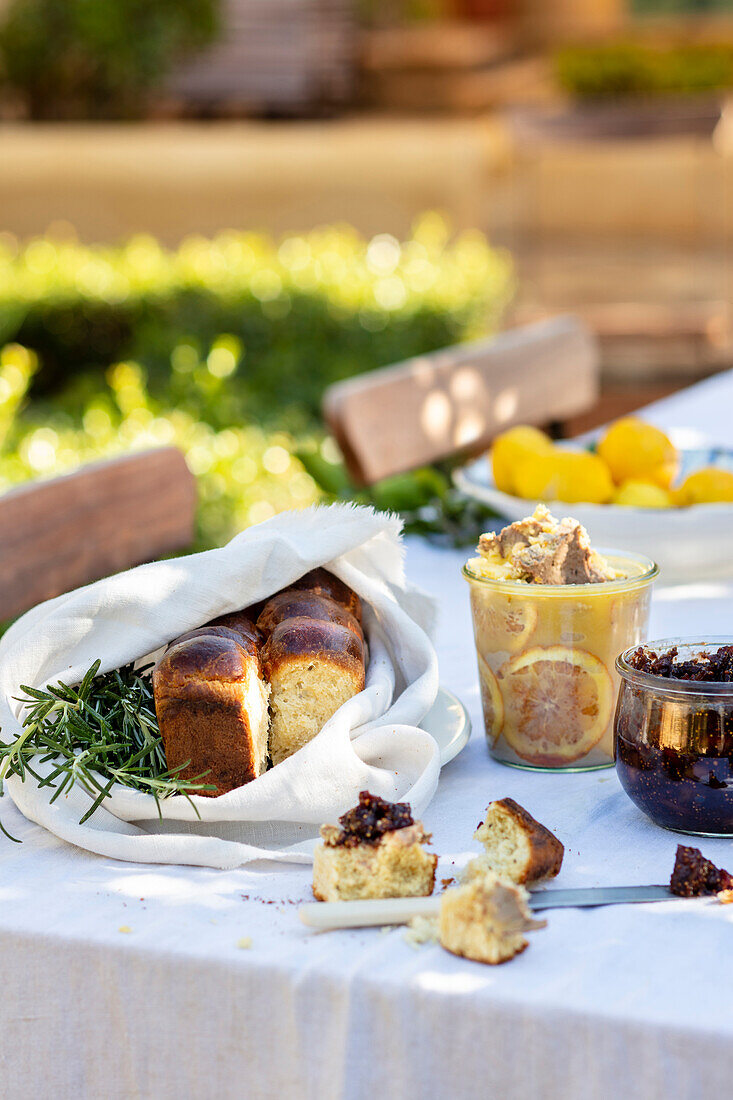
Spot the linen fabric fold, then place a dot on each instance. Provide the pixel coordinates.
(372, 742)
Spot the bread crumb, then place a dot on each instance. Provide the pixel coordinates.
(421, 930)
(245, 943)
(124, 928)
(725, 897)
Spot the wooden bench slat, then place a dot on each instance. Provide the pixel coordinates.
(456, 400)
(59, 534)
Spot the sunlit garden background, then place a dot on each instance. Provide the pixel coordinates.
(191, 253)
(224, 348)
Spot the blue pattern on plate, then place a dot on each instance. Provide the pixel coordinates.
(696, 458)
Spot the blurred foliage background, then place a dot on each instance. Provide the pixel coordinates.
(69, 59)
(612, 69)
(223, 348)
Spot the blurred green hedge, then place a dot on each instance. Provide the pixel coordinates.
(622, 69)
(223, 348)
(298, 313)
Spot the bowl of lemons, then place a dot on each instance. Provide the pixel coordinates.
(632, 486)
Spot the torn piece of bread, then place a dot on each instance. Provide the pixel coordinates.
(375, 853)
(486, 919)
(516, 846)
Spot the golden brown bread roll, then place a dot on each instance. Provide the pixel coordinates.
(307, 604)
(241, 623)
(324, 583)
(312, 667)
(207, 631)
(211, 702)
(211, 695)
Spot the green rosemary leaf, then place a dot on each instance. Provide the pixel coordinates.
(86, 685)
(192, 804)
(101, 732)
(98, 800)
(35, 693)
(5, 832)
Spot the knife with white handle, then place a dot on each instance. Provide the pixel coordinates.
(330, 915)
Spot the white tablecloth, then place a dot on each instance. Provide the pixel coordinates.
(123, 981)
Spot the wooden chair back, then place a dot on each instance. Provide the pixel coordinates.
(456, 400)
(56, 535)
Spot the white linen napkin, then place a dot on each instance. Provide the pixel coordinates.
(372, 742)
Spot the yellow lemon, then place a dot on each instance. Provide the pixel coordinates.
(570, 476)
(557, 704)
(511, 448)
(642, 494)
(635, 451)
(706, 486)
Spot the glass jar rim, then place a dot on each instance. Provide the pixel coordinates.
(663, 685)
(649, 574)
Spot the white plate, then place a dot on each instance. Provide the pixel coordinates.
(687, 543)
(448, 722)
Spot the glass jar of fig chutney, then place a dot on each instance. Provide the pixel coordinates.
(673, 733)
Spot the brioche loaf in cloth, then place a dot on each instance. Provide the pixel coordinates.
(372, 742)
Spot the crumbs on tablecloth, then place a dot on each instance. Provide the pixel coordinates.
(421, 930)
(245, 943)
(124, 928)
(446, 882)
(275, 901)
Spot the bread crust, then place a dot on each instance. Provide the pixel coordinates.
(504, 955)
(212, 737)
(207, 631)
(305, 604)
(295, 639)
(546, 851)
(242, 624)
(324, 583)
(199, 659)
(202, 685)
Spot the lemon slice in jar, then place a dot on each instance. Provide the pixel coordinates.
(557, 704)
(492, 701)
(505, 627)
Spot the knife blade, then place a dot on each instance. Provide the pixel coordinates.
(587, 897)
(331, 915)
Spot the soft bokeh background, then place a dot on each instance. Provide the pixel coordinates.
(211, 209)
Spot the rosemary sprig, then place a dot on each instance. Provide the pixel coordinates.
(100, 732)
